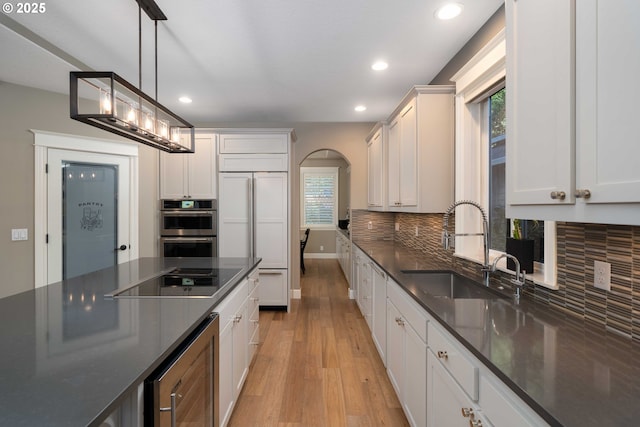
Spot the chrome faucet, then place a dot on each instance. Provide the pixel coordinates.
(448, 240)
(519, 281)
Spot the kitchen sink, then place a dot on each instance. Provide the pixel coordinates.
(447, 284)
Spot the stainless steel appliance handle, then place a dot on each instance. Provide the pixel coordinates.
(186, 213)
(270, 272)
(187, 239)
(171, 409)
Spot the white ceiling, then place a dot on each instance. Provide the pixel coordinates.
(269, 61)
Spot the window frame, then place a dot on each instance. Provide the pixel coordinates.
(483, 75)
(323, 170)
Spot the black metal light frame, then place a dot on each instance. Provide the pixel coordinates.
(179, 135)
(114, 124)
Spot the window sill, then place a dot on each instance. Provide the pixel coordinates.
(538, 276)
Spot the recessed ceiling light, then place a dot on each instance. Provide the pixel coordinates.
(185, 100)
(379, 66)
(360, 108)
(449, 11)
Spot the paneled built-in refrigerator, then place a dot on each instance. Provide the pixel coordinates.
(253, 222)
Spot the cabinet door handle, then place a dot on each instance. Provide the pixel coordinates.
(558, 195)
(583, 194)
(399, 321)
(467, 412)
(237, 318)
(443, 355)
(172, 408)
(475, 423)
(255, 299)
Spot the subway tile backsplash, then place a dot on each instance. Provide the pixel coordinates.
(578, 246)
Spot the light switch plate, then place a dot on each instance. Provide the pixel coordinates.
(602, 275)
(18, 234)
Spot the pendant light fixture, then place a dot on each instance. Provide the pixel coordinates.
(107, 101)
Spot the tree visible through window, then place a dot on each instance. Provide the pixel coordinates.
(319, 195)
(499, 225)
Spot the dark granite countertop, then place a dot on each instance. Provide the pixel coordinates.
(70, 355)
(570, 372)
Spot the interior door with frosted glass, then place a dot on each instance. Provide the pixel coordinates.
(88, 222)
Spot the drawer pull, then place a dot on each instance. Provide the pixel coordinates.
(237, 319)
(254, 343)
(558, 195)
(583, 194)
(443, 355)
(255, 299)
(467, 412)
(399, 321)
(255, 321)
(475, 423)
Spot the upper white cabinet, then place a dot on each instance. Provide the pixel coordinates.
(376, 168)
(193, 175)
(403, 148)
(264, 150)
(419, 156)
(572, 72)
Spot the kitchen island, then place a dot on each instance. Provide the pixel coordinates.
(70, 355)
(570, 372)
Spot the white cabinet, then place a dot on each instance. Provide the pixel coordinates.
(420, 154)
(343, 252)
(254, 207)
(447, 404)
(407, 353)
(376, 168)
(403, 162)
(190, 175)
(379, 310)
(273, 287)
(572, 86)
(365, 296)
(457, 380)
(238, 329)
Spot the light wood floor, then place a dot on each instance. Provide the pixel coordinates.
(317, 365)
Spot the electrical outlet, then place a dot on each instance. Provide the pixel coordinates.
(370, 225)
(602, 275)
(416, 231)
(397, 226)
(321, 248)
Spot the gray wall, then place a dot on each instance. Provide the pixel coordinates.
(21, 109)
(479, 39)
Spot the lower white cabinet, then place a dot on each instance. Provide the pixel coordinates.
(447, 404)
(343, 252)
(379, 310)
(365, 297)
(458, 383)
(439, 382)
(407, 355)
(273, 287)
(236, 349)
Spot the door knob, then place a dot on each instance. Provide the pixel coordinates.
(121, 248)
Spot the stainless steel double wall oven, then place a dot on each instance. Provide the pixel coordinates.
(189, 228)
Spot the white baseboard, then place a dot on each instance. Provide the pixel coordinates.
(296, 294)
(320, 255)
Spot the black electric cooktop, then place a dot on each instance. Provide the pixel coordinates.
(180, 283)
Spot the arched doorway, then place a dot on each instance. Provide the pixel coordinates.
(325, 195)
